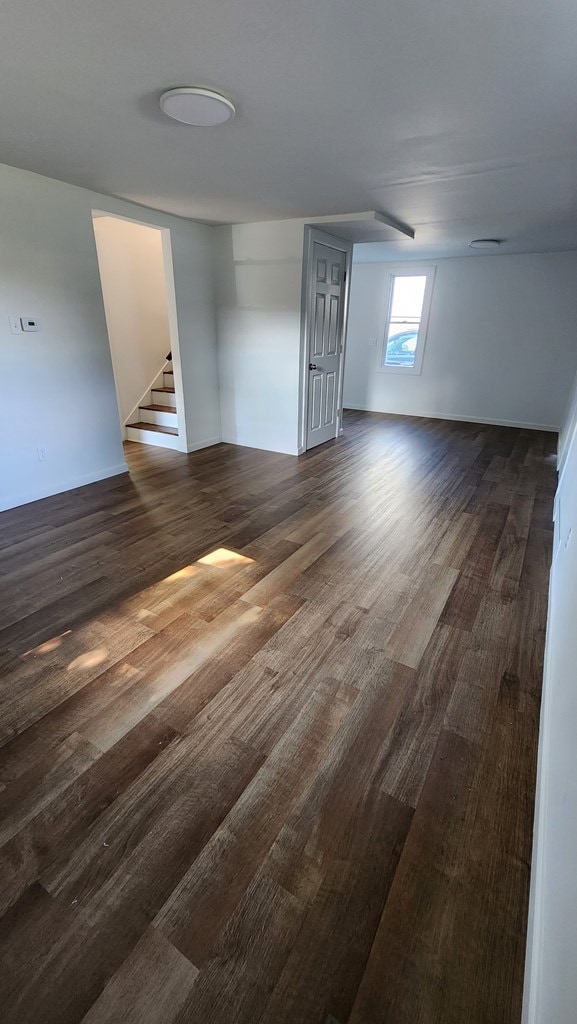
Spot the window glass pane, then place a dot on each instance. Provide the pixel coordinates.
(408, 295)
(401, 344)
(404, 320)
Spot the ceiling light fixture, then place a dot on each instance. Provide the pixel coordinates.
(484, 243)
(193, 105)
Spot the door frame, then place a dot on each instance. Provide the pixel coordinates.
(312, 235)
(170, 290)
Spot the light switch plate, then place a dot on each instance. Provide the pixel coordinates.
(28, 323)
(15, 325)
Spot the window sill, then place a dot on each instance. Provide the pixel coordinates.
(409, 371)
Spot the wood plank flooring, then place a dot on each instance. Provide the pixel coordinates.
(268, 732)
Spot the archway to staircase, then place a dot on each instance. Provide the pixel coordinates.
(136, 276)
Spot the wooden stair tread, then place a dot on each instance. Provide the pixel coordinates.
(169, 390)
(158, 408)
(156, 427)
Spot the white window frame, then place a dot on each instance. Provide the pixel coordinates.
(407, 270)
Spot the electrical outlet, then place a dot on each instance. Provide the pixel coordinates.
(372, 341)
(41, 454)
(15, 325)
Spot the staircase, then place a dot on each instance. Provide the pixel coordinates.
(155, 421)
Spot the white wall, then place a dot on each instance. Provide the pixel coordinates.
(551, 978)
(501, 345)
(58, 384)
(259, 322)
(192, 251)
(58, 389)
(131, 262)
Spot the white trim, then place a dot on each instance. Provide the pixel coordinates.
(457, 418)
(413, 270)
(170, 291)
(207, 443)
(247, 444)
(535, 924)
(534, 944)
(312, 235)
(69, 485)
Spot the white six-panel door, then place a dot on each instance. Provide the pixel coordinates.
(325, 339)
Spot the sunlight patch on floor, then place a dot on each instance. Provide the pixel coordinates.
(89, 659)
(48, 646)
(182, 574)
(223, 558)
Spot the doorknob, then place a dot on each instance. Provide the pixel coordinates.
(313, 366)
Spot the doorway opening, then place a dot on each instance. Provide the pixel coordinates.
(325, 296)
(135, 263)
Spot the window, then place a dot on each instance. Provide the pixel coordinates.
(406, 323)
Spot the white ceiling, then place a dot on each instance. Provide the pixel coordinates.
(458, 117)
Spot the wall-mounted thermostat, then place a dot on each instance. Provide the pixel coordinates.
(28, 323)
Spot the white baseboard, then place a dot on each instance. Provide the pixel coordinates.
(207, 443)
(458, 419)
(259, 447)
(15, 500)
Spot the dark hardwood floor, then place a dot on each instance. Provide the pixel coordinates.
(269, 732)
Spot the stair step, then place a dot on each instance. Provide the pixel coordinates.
(163, 415)
(150, 433)
(165, 397)
(156, 427)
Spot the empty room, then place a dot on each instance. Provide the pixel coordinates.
(288, 481)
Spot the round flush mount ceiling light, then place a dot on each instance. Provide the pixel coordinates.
(193, 105)
(484, 243)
